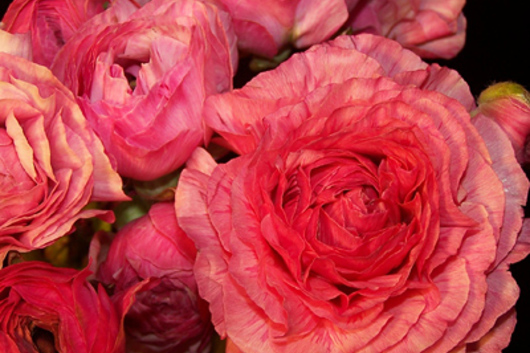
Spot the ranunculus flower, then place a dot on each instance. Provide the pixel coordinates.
(508, 104)
(51, 163)
(49, 23)
(169, 316)
(266, 27)
(367, 213)
(142, 80)
(50, 309)
(432, 29)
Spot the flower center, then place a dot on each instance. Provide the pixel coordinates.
(131, 68)
(358, 212)
(44, 340)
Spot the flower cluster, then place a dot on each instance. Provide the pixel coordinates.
(351, 197)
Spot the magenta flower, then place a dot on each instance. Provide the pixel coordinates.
(51, 163)
(367, 212)
(141, 80)
(169, 316)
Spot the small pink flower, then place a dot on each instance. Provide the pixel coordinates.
(367, 212)
(430, 28)
(48, 309)
(51, 163)
(141, 80)
(169, 316)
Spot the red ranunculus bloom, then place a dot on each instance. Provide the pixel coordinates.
(48, 309)
(51, 163)
(368, 211)
(141, 79)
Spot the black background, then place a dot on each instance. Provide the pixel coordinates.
(497, 49)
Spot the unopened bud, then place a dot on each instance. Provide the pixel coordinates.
(508, 104)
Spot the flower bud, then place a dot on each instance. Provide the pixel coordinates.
(508, 104)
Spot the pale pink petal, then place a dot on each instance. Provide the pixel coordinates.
(17, 44)
(515, 183)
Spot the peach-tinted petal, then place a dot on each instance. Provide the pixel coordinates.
(16, 44)
(57, 162)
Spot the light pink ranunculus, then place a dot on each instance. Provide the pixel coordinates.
(169, 316)
(367, 213)
(142, 80)
(51, 163)
(49, 23)
(49, 309)
(508, 104)
(266, 27)
(431, 28)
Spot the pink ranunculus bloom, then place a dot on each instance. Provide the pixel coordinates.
(169, 316)
(49, 309)
(266, 27)
(51, 163)
(367, 213)
(431, 28)
(508, 104)
(49, 23)
(142, 80)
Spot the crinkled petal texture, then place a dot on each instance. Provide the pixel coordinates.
(266, 27)
(142, 79)
(49, 309)
(431, 28)
(167, 316)
(51, 163)
(367, 212)
(49, 23)
(242, 116)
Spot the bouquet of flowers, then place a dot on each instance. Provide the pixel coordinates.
(215, 176)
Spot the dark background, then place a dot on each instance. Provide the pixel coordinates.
(497, 49)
